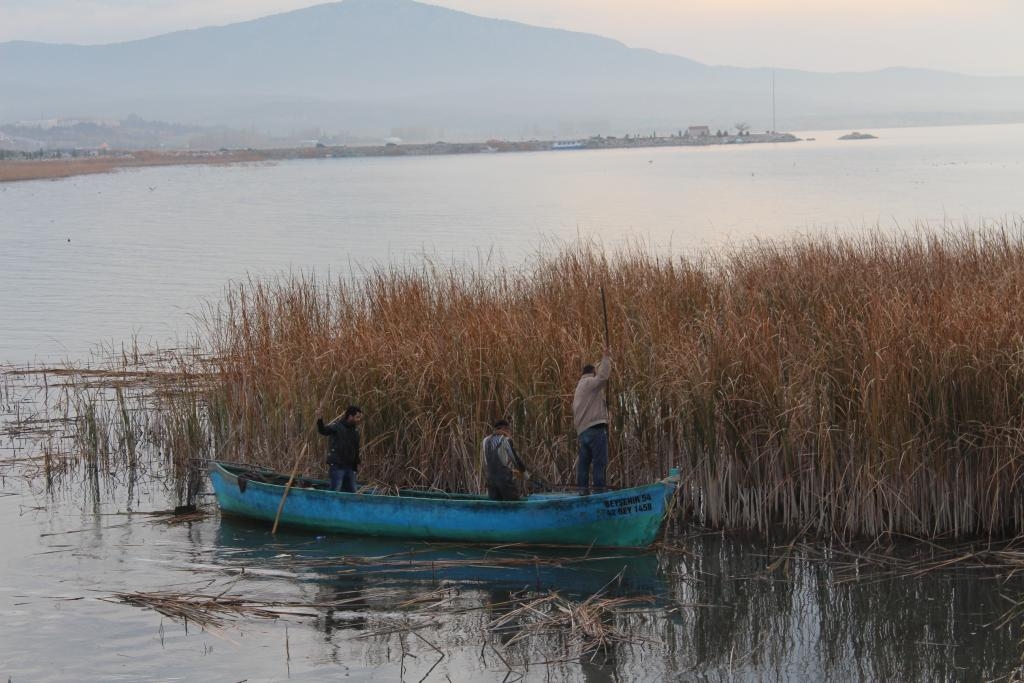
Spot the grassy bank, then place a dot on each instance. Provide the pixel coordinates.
(12, 170)
(843, 386)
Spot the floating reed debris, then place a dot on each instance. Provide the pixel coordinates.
(912, 557)
(204, 610)
(582, 626)
(844, 386)
(589, 624)
(213, 609)
(183, 514)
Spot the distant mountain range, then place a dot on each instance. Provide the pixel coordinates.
(378, 68)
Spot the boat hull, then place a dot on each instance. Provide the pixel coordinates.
(623, 518)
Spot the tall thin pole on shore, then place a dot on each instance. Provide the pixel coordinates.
(773, 101)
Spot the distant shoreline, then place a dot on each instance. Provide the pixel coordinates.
(66, 164)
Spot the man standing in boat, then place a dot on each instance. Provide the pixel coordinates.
(342, 447)
(502, 463)
(590, 418)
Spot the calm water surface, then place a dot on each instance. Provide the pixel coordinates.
(103, 258)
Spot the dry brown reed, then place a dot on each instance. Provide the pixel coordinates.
(120, 419)
(911, 558)
(212, 609)
(204, 610)
(848, 386)
(589, 624)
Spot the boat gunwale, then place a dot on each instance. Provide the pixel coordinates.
(671, 481)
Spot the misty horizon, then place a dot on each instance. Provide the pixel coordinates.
(395, 68)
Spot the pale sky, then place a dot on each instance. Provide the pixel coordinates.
(981, 37)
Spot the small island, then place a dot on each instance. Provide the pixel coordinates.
(858, 136)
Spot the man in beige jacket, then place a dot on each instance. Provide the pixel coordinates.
(590, 417)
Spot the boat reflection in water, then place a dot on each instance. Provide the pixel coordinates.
(574, 572)
(369, 590)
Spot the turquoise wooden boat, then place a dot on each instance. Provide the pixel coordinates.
(623, 518)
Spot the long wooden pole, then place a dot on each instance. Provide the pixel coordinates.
(287, 488)
(607, 344)
(607, 347)
(604, 308)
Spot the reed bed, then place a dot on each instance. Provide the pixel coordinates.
(841, 386)
(844, 386)
(116, 424)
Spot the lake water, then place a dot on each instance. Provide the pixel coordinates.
(102, 258)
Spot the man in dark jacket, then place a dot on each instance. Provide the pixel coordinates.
(502, 463)
(342, 447)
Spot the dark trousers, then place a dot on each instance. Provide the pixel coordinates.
(503, 492)
(343, 479)
(593, 450)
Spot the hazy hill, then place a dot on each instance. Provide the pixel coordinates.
(383, 66)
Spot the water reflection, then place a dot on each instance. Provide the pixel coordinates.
(498, 603)
(719, 607)
(346, 606)
(600, 666)
(574, 573)
(817, 620)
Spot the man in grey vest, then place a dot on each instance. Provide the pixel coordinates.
(590, 418)
(501, 463)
